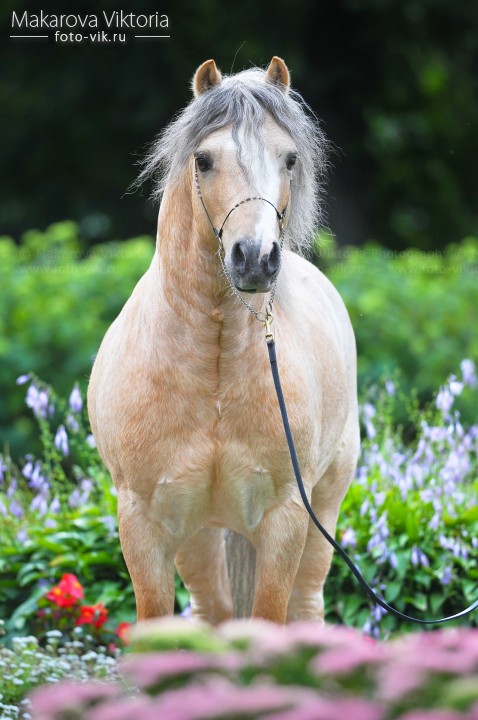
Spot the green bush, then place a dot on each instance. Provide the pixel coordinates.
(57, 300)
(411, 311)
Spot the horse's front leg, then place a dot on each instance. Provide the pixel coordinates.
(279, 543)
(148, 548)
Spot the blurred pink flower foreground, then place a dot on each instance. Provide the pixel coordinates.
(186, 670)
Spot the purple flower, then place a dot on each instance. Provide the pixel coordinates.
(15, 509)
(444, 401)
(435, 522)
(33, 473)
(90, 440)
(378, 612)
(55, 505)
(12, 488)
(418, 557)
(61, 440)
(37, 400)
(22, 536)
(40, 501)
(74, 500)
(80, 495)
(75, 401)
(368, 412)
(455, 385)
(22, 379)
(364, 507)
(349, 539)
(390, 388)
(72, 423)
(27, 470)
(467, 368)
(447, 575)
(393, 560)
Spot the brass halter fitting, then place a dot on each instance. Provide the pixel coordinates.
(269, 317)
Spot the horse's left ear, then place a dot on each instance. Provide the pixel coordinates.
(278, 73)
(206, 77)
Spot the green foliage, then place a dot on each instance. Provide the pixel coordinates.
(57, 300)
(410, 311)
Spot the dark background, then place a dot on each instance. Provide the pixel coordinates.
(394, 82)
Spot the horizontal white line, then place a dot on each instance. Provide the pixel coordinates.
(154, 36)
(28, 36)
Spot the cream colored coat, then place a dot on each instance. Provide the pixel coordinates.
(184, 412)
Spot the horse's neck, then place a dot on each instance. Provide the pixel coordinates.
(192, 280)
(186, 270)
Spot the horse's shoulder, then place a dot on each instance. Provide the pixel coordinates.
(309, 275)
(318, 291)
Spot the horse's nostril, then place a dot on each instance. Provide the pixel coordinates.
(270, 263)
(238, 257)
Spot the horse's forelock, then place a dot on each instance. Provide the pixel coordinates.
(244, 101)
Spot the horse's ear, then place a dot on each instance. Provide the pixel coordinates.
(206, 77)
(278, 73)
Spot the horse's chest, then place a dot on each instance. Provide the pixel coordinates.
(231, 467)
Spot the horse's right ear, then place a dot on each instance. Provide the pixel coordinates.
(206, 77)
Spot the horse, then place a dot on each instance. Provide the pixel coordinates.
(181, 400)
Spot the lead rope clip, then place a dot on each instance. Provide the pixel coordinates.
(269, 317)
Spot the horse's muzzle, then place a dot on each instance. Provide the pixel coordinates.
(252, 269)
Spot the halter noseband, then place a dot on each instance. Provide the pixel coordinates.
(262, 317)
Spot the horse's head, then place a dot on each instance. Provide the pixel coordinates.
(242, 181)
(244, 136)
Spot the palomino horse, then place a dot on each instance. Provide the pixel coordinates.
(181, 399)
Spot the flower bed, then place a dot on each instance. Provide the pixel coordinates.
(183, 670)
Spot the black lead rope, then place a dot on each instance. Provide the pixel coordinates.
(295, 464)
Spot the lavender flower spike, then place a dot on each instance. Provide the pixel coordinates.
(467, 368)
(61, 440)
(37, 400)
(76, 401)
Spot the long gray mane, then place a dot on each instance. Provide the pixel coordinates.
(245, 100)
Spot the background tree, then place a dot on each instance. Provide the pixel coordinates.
(394, 81)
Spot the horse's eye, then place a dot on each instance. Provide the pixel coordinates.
(203, 161)
(291, 160)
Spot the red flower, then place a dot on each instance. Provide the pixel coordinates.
(67, 592)
(95, 615)
(70, 585)
(122, 631)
